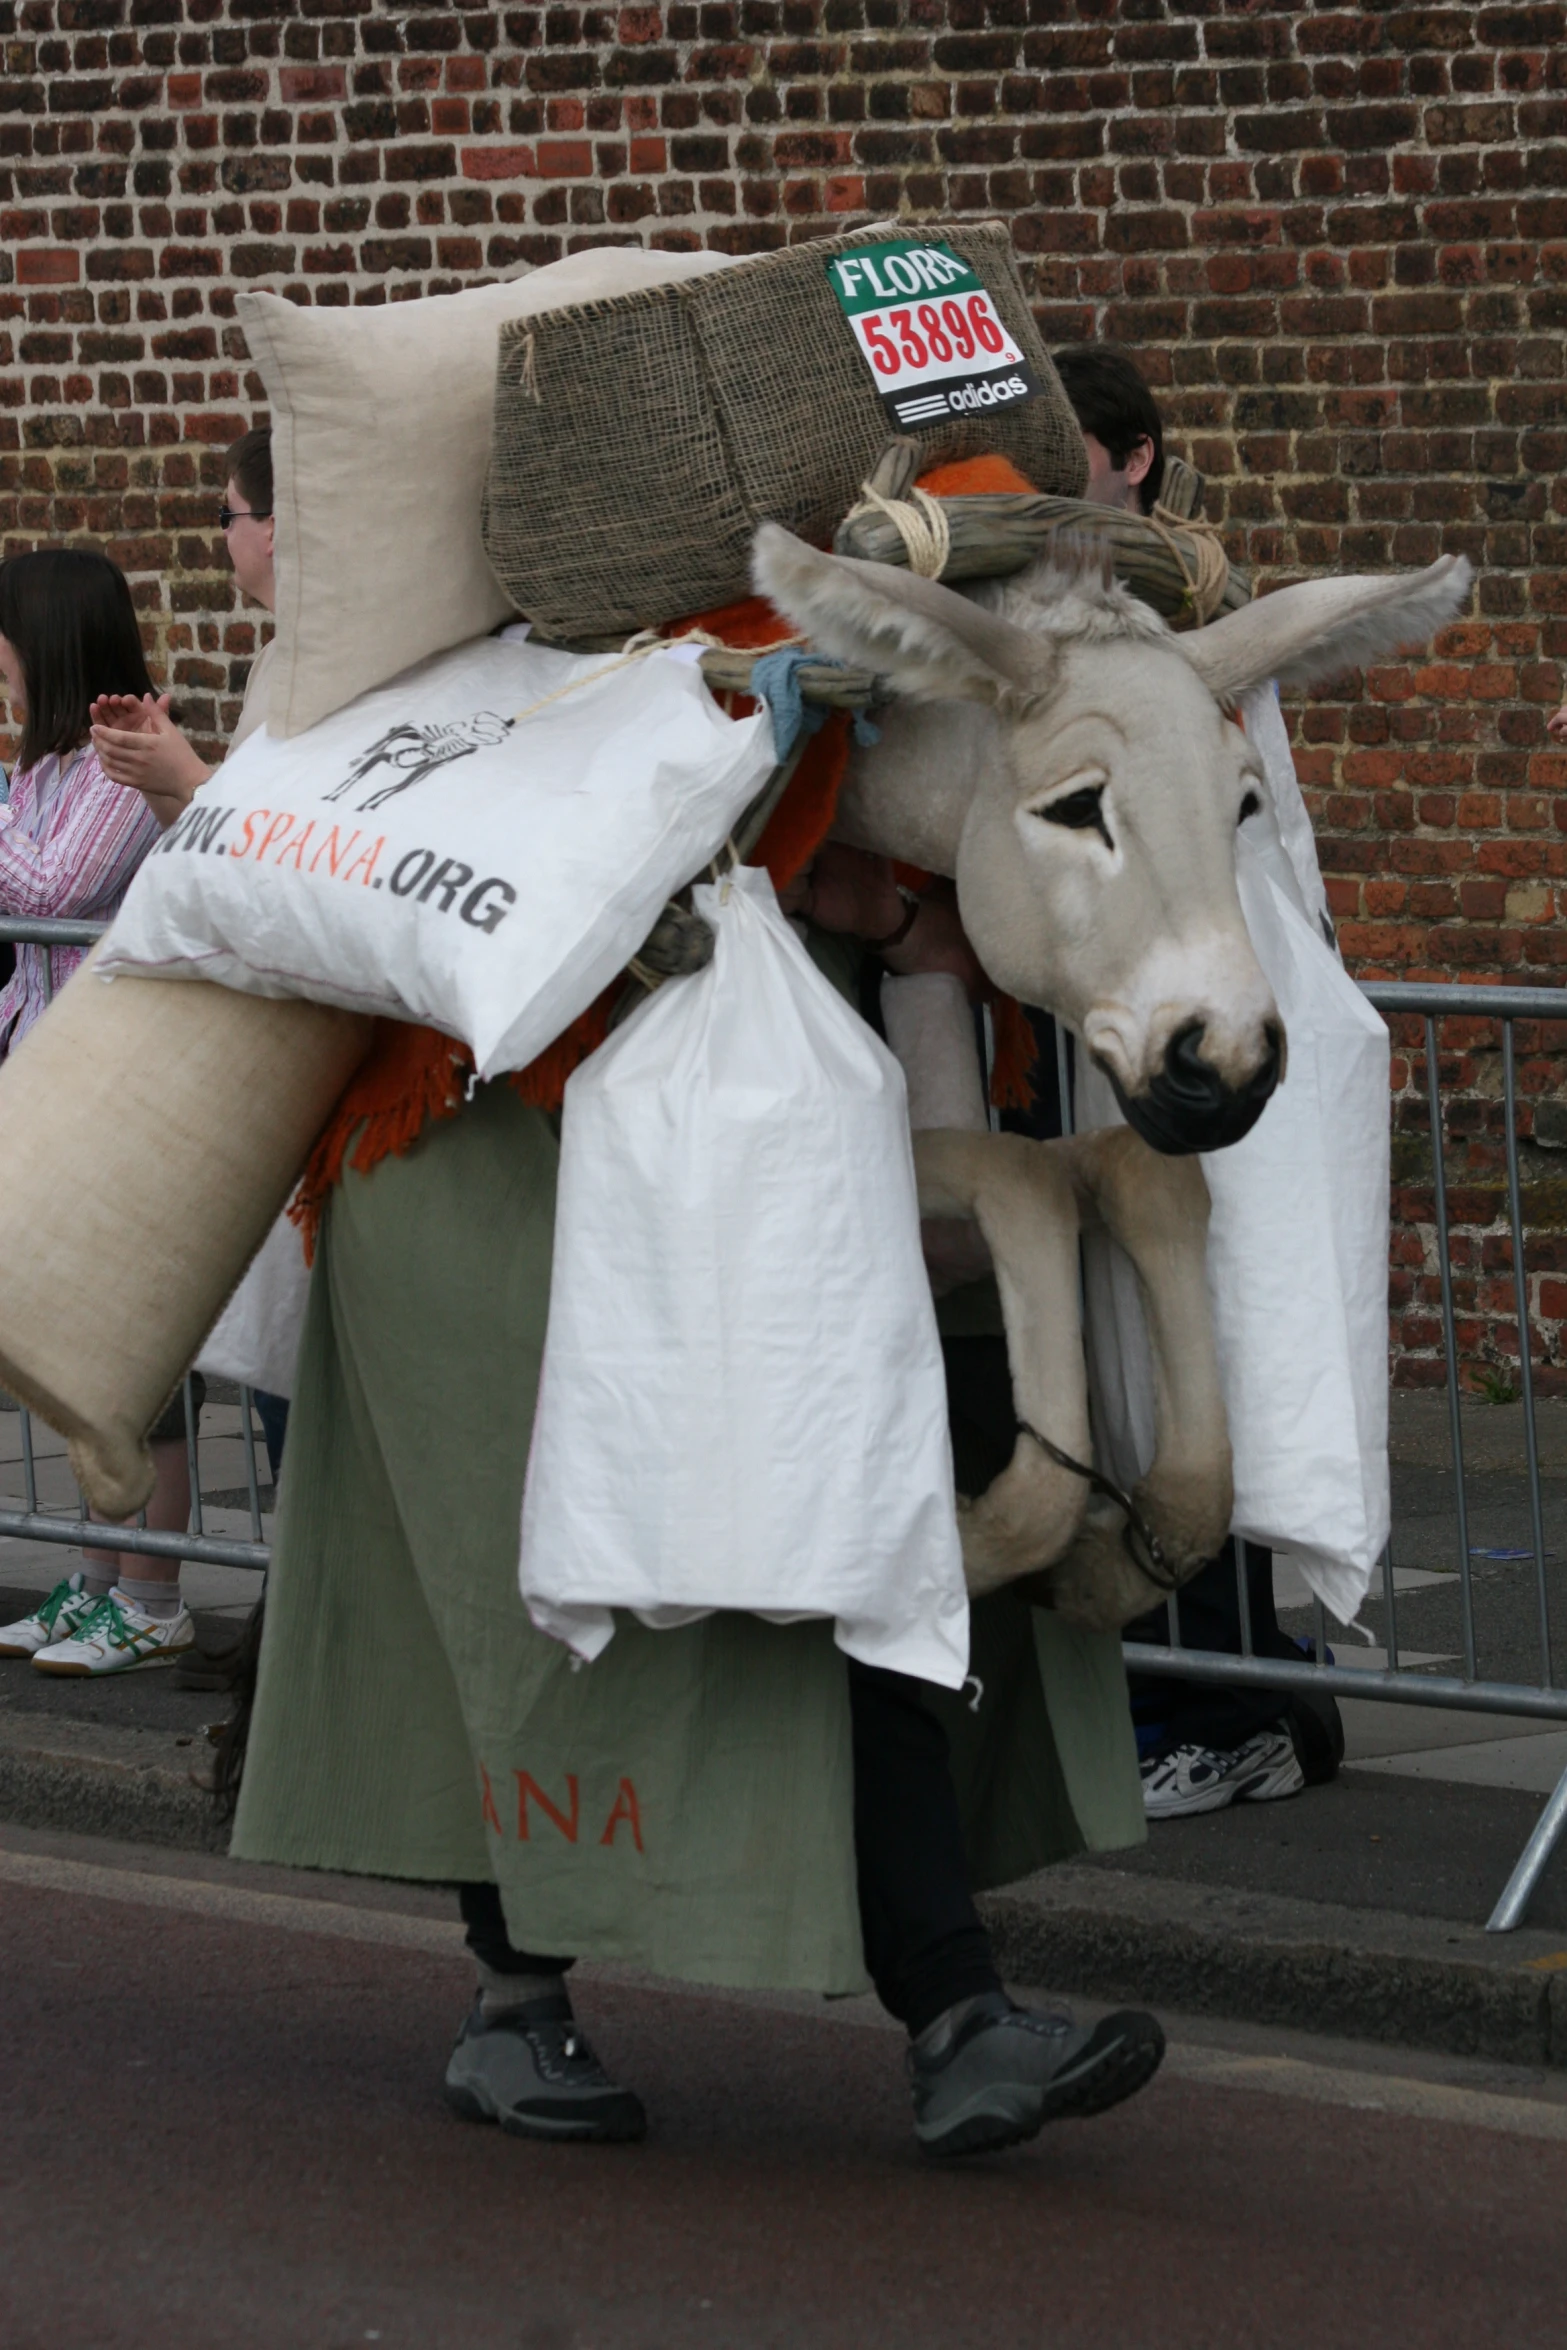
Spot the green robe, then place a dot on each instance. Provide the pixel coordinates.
(684, 1802)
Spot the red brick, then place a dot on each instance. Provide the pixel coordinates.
(497, 163)
(565, 159)
(47, 265)
(311, 85)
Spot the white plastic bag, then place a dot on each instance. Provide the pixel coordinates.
(1297, 1273)
(1282, 829)
(743, 1403)
(470, 845)
(256, 1337)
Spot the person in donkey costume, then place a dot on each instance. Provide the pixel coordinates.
(731, 1803)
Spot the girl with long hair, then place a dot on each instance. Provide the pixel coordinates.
(70, 839)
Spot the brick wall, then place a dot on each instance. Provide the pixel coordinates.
(1337, 239)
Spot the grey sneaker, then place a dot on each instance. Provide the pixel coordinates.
(988, 2074)
(532, 2071)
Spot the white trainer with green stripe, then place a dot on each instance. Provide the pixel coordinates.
(56, 1618)
(117, 1638)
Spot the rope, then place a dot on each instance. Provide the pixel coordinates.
(921, 523)
(1152, 1559)
(1206, 590)
(636, 648)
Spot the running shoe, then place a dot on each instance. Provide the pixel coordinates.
(117, 1638)
(1188, 1780)
(531, 2070)
(64, 1612)
(988, 2074)
(1267, 1768)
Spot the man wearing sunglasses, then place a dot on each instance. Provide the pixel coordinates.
(139, 746)
(138, 743)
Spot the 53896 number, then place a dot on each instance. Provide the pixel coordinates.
(933, 331)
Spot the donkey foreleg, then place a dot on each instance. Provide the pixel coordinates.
(1025, 1208)
(1156, 1208)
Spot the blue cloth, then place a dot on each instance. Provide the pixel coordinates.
(775, 680)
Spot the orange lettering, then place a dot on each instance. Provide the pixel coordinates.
(296, 848)
(367, 858)
(625, 1809)
(527, 1785)
(247, 830)
(333, 849)
(279, 829)
(492, 1818)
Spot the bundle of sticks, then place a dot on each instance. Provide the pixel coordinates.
(1171, 560)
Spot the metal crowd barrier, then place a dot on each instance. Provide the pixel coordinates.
(1401, 1684)
(1466, 1692)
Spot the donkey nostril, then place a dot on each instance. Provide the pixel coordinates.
(1191, 1082)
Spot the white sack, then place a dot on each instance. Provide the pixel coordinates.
(1297, 1272)
(742, 1402)
(1282, 828)
(256, 1337)
(445, 850)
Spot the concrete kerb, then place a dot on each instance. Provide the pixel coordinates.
(1257, 1958)
(132, 1785)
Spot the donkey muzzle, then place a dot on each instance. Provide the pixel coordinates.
(1188, 1106)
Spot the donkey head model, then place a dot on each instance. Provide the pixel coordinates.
(1087, 807)
(1072, 763)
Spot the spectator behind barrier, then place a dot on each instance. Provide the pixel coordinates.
(134, 735)
(70, 840)
(1121, 426)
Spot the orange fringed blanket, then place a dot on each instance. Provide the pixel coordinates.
(413, 1076)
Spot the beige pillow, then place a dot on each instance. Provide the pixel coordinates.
(380, 441)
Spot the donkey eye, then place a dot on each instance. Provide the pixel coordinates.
(1250, 806)
(1080, 811)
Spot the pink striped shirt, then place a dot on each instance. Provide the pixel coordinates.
(70, 841)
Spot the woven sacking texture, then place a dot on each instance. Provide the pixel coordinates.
(638, 442)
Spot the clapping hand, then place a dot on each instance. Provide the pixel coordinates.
(140, 747)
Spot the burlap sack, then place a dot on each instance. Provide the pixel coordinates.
(150, 1132)
(639, 441)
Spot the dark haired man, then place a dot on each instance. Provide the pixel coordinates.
(139, 746)
(1120, 423)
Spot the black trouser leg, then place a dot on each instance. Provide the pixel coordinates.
(1193, 1713)
(925, 1948)
(488, 1940)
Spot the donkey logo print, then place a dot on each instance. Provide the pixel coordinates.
(407, 754)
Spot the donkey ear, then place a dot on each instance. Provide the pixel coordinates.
(1307, 634)
(927, 642)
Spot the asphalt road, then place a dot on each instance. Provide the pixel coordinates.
(224, 2125)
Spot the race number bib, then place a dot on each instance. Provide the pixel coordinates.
(929, 333)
